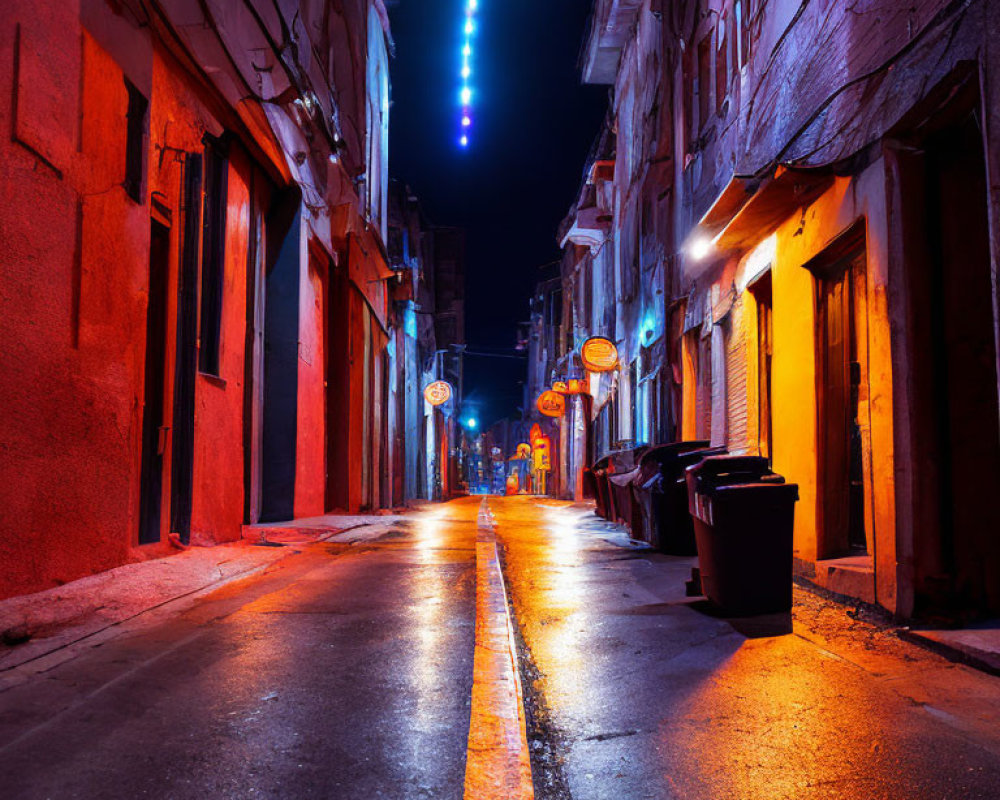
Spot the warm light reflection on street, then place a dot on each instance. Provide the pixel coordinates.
(429, 532)
(429, 592)
(553, 601)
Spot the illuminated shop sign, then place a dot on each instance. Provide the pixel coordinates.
(599, 354)
(551, 404)
(438, 393)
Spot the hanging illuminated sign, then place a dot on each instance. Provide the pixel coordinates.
(559, 386)
(551, 404)
(574, 386)
(541, 454)
(599, 354)
(438, 393)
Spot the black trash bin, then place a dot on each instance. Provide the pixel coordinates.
(628, 512)
(661, 494)
(601, 492)
(623, 463)
(647, 483)
(743, 520)
(589, 484)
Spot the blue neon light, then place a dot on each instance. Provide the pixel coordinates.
(465, 72)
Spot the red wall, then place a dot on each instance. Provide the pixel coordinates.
(310, 451)
(73, 293)
(74, 284)
(70, 306)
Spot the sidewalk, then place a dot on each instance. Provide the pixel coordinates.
(37, 626)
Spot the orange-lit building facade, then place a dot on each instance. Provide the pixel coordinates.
(811, 272)
(196, 303)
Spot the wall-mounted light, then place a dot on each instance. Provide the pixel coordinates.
(699, 247)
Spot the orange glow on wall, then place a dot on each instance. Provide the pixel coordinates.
(551, 404)
(599, 354)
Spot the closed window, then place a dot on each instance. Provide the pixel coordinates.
(213, 257)
(135, 138)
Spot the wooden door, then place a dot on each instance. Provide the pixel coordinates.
(153, 429)
(840, 330)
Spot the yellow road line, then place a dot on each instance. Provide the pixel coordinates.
(497, 766)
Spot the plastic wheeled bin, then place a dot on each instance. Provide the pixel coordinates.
(589, 484)
(627, 509)
(602, 497)
(620, 483)
(675, 530)
(655, 492)
(743, 520)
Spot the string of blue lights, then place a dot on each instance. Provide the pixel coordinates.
(465, 94)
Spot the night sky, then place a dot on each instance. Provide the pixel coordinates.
(533, 123)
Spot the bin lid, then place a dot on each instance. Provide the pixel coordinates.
(767, 492)
(624, 478)
(720, 464)
(661, 453)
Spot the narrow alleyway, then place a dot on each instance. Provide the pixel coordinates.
(347, 672)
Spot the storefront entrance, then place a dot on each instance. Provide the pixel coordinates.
(842, 393)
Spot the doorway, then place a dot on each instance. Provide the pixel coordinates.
(963, 435)
(154, 433)
(842, 394)
(182, 447)
(281, 361)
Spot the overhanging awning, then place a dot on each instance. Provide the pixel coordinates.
(589, 228)
(746, 211)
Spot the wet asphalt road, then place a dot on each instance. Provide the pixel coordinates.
(644, 695)
(346, 672)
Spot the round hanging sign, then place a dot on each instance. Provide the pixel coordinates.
(438, 393)
(599, 354)
(559, 386)
(551, 404)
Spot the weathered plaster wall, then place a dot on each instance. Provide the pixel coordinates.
(310, 475)
(68, 304)
(217, 513)
(179, 119)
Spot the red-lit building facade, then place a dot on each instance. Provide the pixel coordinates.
(790, 228)
(196, 303)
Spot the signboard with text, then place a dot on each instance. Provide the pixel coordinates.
(599, 354)
(438, 393)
